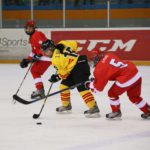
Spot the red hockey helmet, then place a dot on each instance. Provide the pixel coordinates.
(92, 54)
(30, 27)
(30, 23)
(94, 57)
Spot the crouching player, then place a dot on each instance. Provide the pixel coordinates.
(109, 67)
(71, 69)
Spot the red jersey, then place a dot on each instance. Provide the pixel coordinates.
(36, 40)
(112, 68)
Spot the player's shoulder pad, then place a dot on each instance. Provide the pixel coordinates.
(70, 43)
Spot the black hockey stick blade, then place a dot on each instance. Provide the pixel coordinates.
(35, 116)
(19, 99)
(23, 101)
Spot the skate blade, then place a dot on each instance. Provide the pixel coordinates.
(95, 115)
(116, 118)
(64, 112)
(37, 97)
(146, 118)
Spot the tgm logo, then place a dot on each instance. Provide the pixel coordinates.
(106, 45)
(6, 42)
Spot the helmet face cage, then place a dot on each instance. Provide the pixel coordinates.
(94, 57)
(29, 32)
(96, 60)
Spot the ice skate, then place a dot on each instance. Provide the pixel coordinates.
(146, 115)
(64, 109)
(114, 115)
(92, 113)
(38, 93)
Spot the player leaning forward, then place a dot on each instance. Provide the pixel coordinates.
(72, 69)
(126, 77)
(40, 63)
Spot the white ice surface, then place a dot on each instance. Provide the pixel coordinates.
(18, 130)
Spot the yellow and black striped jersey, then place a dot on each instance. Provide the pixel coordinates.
(65, 62)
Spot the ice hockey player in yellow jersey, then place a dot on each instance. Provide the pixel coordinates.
(72, 68)
(63, 62)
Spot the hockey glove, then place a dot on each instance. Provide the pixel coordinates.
(24, 63)
(36, 58)
(54, 78)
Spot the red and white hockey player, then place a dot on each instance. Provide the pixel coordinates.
(40, 62)
(126, 77)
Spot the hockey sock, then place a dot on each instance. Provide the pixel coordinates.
(65, 96)
(115, 104)
(38, 83)
(88, 98)
(142, 105)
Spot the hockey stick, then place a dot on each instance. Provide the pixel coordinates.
(22, 81)
(23, 101)
(35, 116)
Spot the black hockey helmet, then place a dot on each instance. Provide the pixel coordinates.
(48, 44)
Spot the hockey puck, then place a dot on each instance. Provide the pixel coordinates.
(39, 123)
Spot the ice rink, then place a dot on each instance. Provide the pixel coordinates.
(19, 131)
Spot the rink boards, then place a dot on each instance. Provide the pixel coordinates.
(128, 43)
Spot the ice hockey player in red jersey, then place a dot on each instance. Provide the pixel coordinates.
(40, 61)
(126, 77)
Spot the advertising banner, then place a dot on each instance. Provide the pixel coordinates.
(127, 44)
(14, 44)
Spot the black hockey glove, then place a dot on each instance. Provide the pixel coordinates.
(24, 63)
(36, 58)
(54, 78)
